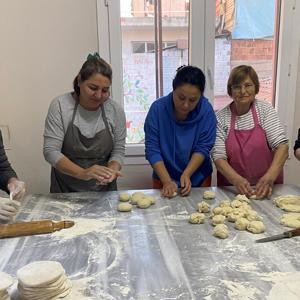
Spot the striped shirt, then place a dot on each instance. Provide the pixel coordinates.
(267, 118)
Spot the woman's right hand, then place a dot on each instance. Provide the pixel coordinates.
(168, 189)
(243, 186)
(97, 172)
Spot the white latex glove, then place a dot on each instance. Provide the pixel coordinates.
(17, 189)
(8, 209)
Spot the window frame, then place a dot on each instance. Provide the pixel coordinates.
(201, 54)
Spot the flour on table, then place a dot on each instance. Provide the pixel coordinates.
(83, 226)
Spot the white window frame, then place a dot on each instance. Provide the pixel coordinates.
(201, 49)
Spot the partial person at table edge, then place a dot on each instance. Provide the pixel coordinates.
(9, 183)
(85, 132)
(251, 145)
(180, 131)
(297, 146)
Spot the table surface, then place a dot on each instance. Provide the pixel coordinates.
(155, 253)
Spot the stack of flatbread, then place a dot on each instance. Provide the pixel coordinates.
(5, 282)
(43, 280)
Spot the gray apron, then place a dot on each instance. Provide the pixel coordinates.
(84, 152)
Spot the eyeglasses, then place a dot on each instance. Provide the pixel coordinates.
(237, 88)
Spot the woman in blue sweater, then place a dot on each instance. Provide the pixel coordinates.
(180, 131)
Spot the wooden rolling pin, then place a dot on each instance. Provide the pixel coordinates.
(32, 228)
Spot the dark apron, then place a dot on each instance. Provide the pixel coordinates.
(84, 152)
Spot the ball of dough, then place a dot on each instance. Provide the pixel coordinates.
(217, 210)
(242, 198)
(124, 197)
(203, 207)
(252, 215)
(256, 227)
(143, 202)
(124, 207)
(136, 196)
(218, 219)
(208, 195)
(241, 224)
(235, 203)
(224, 203)
(234, 215)
(226, 210)
(221, 231)
(151, 198)
(197, 218)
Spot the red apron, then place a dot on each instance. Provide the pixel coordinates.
(248, 152)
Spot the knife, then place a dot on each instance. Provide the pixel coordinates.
(284, 235)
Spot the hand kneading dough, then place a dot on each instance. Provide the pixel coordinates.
(124, 197)
(218, 219)
(197, 218)
(221, 231)
(241, 224)
(124, 207)
(5, 281)
(143, 203)
(256, 227)
(203, 207)
(136, 196)
(291, 220)
(208, 195)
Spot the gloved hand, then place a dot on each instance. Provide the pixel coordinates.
(16, 188)
(8, 209)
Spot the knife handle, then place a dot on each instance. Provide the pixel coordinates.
(294, 232)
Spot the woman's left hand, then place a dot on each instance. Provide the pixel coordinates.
(186, 184)
(264, 186)
(115, 174)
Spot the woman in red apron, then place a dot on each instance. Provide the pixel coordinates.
(251, 147)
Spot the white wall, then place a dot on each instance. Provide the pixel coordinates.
(43, 45)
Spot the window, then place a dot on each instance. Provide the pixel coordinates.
(149, 47)
(205, 36)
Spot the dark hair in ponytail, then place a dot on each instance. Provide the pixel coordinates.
(93, 65)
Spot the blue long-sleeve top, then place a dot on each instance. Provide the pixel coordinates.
(174, 142)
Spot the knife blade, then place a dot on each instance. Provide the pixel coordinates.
(284, 235)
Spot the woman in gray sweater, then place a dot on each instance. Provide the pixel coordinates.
(85, 132)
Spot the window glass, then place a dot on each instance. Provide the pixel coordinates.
(245, 33)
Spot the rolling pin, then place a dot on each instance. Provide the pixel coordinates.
(32, 228)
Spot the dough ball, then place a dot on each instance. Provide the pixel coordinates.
(224, 203)
(253, 197)
(252, 215)
(197, 218)
(235, 203)
(217, 210)
(174, 194)
(208, 195)
(143, 202)
(124, 197)
(291, 220)
(5, 281)
(125, 206)
(241, 224)
(218, 219)
(256, 227)
(203, 207)
(234, 215)
(40, 273)
(221, 231)
(226, 210)
(242, 198)
(151, 198)
(136, 196)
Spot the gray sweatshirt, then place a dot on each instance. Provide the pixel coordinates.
(88, 122)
